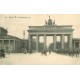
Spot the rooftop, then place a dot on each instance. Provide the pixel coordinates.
(9, 37)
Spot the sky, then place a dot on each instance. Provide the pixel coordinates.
(17, 23)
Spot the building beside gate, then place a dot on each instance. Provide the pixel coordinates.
(51, 29)
(10, 43)
(76, 43)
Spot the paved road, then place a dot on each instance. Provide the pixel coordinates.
(37, 58)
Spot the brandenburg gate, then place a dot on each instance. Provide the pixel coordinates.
(50, 29)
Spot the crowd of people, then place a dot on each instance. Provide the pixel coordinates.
(69, 52)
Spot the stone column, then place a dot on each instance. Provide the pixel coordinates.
(70, 41)
(14, 46)
(18, 46)
(79, 45)
(2, 44)
(55, 41)
(9, 46)
(44, 42)
(74, 44)
(29, 43)
(37, 43)
(62, 41)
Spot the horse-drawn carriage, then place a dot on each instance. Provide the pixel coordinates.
(2, 54)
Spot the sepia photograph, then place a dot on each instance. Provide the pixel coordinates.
(39, 39)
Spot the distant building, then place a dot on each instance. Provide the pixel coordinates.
(10, 43)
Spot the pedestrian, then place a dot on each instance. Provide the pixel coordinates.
(49, 51)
